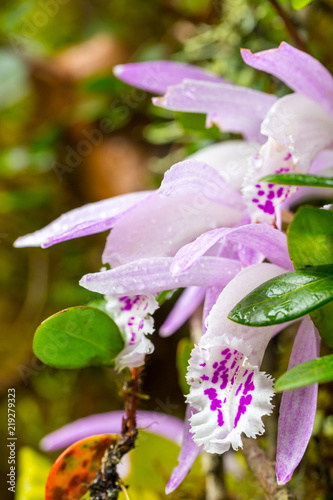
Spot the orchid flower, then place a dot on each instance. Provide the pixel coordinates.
(298, 126)
(229, 394)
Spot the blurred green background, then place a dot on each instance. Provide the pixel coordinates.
(56, 90)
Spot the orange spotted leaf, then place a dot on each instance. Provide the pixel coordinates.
(76, 467)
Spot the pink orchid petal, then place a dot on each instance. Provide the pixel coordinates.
(260, 237)
(226, 387)
(186, 458)
(300, 71)
(185, 306)
(157, 76)
(298, 407)
(153, 275)
(191, 200)
(164, 425)
(323, 160)
(195, 177)
(229, 159)
(234, 109)
(89, 219)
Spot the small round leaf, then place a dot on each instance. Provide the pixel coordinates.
(78, 337)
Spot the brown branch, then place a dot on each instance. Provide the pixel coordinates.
(107, 484)
(290, 26)
(264, 471)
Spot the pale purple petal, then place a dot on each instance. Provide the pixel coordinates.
(298, 407)
(89, 219)
(196, 177)
(185, 306)
(234, 109)
(186, 458)
(187, 204)
(300, 71)
(260, 237)
(164, 425)
(157, 76)
(322, 161)
(153, 275)
(229, 159)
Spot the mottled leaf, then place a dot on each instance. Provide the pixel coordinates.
(76, 467)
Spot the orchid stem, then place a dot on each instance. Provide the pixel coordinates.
(292, 30)
(107, 484)
(213, 466)
(264, 471)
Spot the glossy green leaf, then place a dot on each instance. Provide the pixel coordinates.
(299, 180)
(183, 354)
(310, 242)
(316, 370)
(78, 337)
(300, 4)
(310, 237)
(286, 297)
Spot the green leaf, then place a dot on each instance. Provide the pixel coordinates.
(300, 4)
(316, 370)
(286, 297)
(78, 337)
(299, 180)
(310, 242)
(183, 354)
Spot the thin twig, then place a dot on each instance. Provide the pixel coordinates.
(264, 471)
(107, 484)
(290, 26)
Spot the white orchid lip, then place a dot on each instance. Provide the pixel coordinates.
(230, 395)
(133, 316)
